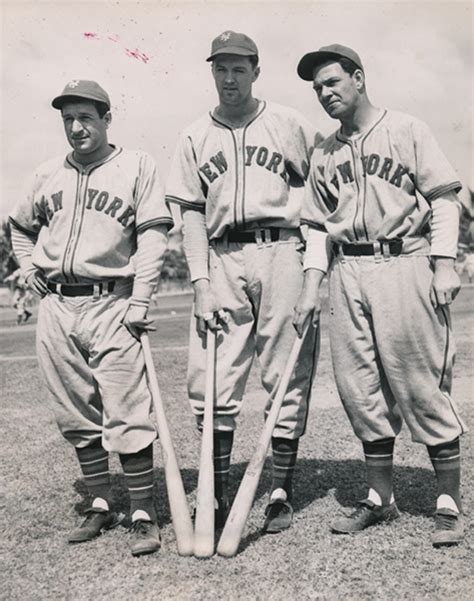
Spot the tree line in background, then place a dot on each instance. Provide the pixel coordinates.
(175, 268)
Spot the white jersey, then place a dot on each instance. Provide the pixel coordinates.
(379, 185)
(241, 177)
(85, 218)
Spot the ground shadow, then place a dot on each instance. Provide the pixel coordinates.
(314, 479)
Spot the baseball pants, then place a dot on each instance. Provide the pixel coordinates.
(392, 352)
(258, 285)
(95, 372)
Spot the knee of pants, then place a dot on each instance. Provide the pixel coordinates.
(222, 423)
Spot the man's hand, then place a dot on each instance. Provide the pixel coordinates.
(37, 283)
(136, 321)
(446, 283)
(309, 302)
(207, 310)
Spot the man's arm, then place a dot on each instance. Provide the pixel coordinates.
(444, 240)
(207, 309)
(23, 246)
(148, 260)
(316, 264)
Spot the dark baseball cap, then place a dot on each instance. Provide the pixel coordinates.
(82, 88)
(231, 42)
(313, 59)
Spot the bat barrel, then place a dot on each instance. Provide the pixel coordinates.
(235, 524)
(182, 524)
(204, 527)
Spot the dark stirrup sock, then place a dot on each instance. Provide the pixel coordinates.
(379, 464)
(138, 472)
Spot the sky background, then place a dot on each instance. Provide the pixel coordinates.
(150, 57)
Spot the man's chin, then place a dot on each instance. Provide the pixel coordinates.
(335, 112)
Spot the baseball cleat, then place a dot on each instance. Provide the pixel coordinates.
(278, 513)
(96, 521)
(146, 537)
(367, 514)
(449, 528)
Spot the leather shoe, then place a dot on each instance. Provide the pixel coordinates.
(146, 537)
(96, 521)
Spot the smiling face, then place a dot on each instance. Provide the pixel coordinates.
(234, 76)
(338, 92)
(86, 130)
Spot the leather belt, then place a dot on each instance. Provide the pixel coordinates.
(100, 288)
(383, 247)
(268, 234)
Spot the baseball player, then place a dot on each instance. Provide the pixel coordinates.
(90, 234)
(382, 197)
(236, 176)
(21, 299)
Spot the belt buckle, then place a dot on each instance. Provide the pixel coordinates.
(340, 253)
(378, 248)
(386, 250)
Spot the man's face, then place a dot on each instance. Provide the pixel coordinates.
(85, 130)
(337, 90)
(234, 77)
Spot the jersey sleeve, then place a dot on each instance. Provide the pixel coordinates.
(29, 213)
(303, 139)
(151, 208)
(319, 202)
(434, 176)
(184, 186)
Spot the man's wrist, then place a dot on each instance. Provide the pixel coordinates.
(201, 284)
(443, 262)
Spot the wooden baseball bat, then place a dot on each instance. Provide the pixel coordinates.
(181, 518)
(204, 520)
(234, 526)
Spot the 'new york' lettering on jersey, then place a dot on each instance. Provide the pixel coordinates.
(378, 185)
(109, 200)
(215, 165)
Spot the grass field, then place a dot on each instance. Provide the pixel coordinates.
(43, 497)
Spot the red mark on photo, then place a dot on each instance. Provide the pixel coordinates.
(141, 56)
(138, 54)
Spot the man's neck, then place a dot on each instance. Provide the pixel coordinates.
(238, 115)
(363, 116)
(88, 159)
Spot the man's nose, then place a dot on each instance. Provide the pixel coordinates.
(76, 126)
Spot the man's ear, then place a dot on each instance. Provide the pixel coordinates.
(108, 118)
(359, 79)
(256, 73)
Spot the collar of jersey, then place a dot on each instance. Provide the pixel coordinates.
(340, 136)
(261, 107)
(85, 168)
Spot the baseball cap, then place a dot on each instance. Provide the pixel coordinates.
(231, 42)
(313, 59)
(82, 88)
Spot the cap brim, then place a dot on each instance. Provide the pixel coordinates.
(311, 60)
(232, 50)
(58, 102)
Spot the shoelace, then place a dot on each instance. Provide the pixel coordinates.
(140, 526)
(91, 515)
(278, 507)
(362, 507)
(445, 522)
